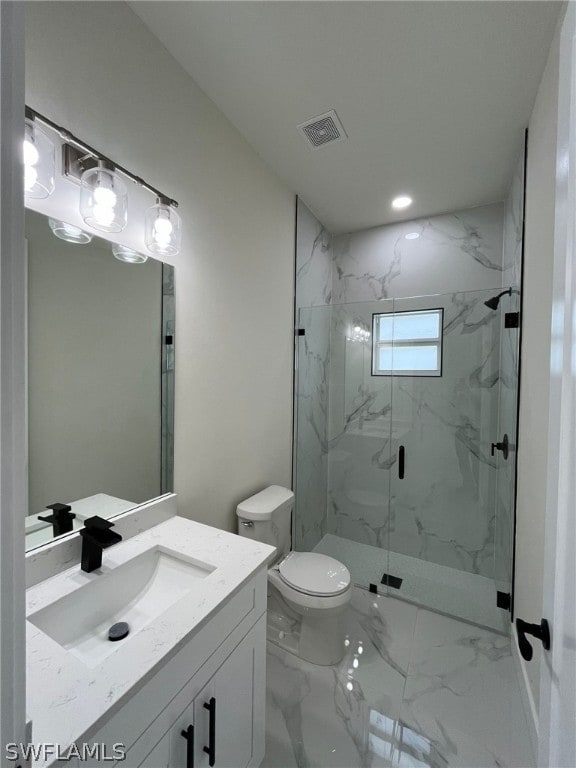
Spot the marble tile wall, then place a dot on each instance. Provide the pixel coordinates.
(455, 252)
(348, 431)
(443, 510)
(313, 289)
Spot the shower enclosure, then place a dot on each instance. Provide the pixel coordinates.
(405, 435)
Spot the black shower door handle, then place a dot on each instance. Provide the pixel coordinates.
(401, 459)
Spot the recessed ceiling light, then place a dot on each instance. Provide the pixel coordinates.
(403, 201)
(412, 236)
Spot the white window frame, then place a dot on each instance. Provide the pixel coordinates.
(416, 342)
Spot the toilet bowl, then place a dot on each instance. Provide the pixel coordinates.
(307, 592)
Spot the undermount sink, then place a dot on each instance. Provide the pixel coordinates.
(136, 592)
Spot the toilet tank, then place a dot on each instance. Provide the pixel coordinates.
(267, 517)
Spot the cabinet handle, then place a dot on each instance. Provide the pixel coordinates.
(211, 748)
(188, 734)
(401, 452)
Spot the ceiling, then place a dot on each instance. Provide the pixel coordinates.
(434, 96)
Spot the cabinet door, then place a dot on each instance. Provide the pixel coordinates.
(225, 710)
(158, 758)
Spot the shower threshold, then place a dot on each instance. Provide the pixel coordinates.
(457, 593)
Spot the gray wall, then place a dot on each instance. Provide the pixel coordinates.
(234, 275)
(94, 330)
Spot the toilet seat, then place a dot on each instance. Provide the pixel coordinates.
(313, 574)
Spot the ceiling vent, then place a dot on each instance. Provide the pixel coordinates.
(324, 129)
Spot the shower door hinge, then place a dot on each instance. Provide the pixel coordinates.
(300, 332)
(512, 320)
(503, 600)
(168, 339)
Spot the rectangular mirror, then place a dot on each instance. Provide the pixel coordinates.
(100, 380)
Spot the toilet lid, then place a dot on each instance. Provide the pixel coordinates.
(314, 574)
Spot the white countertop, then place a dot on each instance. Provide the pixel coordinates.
(64, 696)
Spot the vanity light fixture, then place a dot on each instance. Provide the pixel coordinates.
(162, 231)
(128, 255)
(401, 202)
(38, 155)
(103, 193)
(69, 233)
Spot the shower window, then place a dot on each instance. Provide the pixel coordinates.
(407, 343)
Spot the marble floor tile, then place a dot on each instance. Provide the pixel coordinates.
(415, 690)
(389, 623)
(462, 697)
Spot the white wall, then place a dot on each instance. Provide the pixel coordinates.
(94, 349)
(534, 382)
(94, 67)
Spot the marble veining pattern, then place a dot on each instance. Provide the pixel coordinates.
(314, 256)
(443, 511)
(453, 252)
(415, 688)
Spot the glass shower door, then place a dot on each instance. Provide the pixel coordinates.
(445, 360)
(342, 455)
(359, 458)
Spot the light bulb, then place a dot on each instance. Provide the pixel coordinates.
(357, 329)
(104, 214)
(38, 156)
(163, 226)
(105, 197)
(31, 155)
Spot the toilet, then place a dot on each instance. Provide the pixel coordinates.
(307, 591)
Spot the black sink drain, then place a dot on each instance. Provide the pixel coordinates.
(118, 631)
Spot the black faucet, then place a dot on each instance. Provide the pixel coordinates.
(96, 536)
(61, 518)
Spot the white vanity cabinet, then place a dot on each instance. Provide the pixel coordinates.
(213, 690)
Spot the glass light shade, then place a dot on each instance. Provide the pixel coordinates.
(162, 232)
(39, 165)
(68, 232)
(103, 200)
(128, 255)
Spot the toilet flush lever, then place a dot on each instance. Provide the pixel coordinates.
(247, 523)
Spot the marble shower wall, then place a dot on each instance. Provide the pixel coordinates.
(509, 361)
(455, 252)
(313, 289)
(443, 511)
(347, 433)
